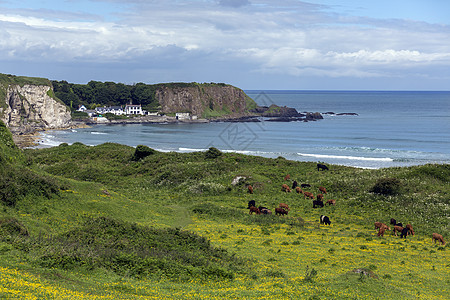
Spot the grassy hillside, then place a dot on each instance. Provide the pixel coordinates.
(171, 225)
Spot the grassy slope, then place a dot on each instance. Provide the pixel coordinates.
(190, 192)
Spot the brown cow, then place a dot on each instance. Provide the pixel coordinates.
(409, 226)
(254, 209)
(397, 229)
(331, 202)
(284, 206)
(438, 237)
(320, 197)
(285, 188)
(287, 177)
(280, 211)
(378, 225)
(309, 195)
(266, 211)
(298, 190)
(250, 189)
(322, 189)
(383, 228)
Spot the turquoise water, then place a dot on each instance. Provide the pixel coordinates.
(391, 129)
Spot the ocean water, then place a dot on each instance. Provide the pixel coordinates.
(391, 129)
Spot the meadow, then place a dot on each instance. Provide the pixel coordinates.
(117, 222)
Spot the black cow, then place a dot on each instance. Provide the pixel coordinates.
(394, 222)
(317, 203)
(325, 220)
(294, 185)
(404, 233)
(305, 185)
(321, 166)
(251, 203)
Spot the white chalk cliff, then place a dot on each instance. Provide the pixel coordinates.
(30, 107)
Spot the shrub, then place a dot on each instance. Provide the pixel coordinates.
(386, 187)
(212, 153)
(142, 151)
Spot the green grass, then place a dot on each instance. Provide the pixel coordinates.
(171, 225)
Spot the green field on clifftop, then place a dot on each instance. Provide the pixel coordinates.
(111, 222)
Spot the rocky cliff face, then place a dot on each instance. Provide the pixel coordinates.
(29, 108)
(204, 100)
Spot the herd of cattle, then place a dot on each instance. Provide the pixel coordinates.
(283, 209)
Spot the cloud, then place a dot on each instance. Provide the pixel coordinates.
(234, 3)
(286, 37)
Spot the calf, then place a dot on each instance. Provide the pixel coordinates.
(404, 233)
(254, 210)
(409, 226)
(294, 184)
(284, 206)
(287, 177)
(251, 203)
(322, 189)
(308, 194)
(438, 237)
(305, 185)
(285, 188)
(325, 220)
(250, 189)
(397, 229)
(331, 202)
(280, 211)
(317, 203)
(321, 167)
(298, 190)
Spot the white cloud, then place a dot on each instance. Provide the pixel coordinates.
(279, 37)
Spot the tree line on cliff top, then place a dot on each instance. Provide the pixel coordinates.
(96, 93)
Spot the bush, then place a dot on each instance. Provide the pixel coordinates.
(213, 153)
(386, 187)
(142, 151)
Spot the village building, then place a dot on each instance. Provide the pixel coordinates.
(133, 109)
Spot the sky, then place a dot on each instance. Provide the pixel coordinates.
(252, 44)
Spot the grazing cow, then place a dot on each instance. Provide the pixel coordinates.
(305, 185)
(284, 206)
(250, 189)
(309, 195)
(321, 167)
(287, 177)
(266, 211)
(378, 225)
(294, 184)
(254, 210)
(325, 220)
(319, 197)
(404, 233)
(438, 237)
(298, 190)
(285, 188)
(397, 229)
(317, 203)
(280, 211)
(383, 228)
(322, 189)
(251, 203)
(409, 226)
(331, 202)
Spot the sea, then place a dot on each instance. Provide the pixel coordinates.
(364, 129)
